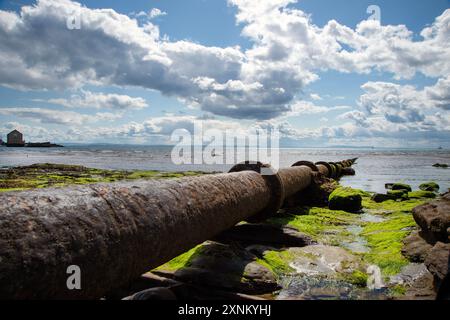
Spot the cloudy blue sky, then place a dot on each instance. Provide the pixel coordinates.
(323, 72)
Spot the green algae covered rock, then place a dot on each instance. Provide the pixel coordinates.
(398, 194)
(401, 186)
(380, 197)
(391, 195)
(421, 194)
(346, 199)
(429, 186)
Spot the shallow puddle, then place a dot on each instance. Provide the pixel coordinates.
(358, 244)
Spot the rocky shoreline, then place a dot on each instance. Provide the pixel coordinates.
(340, 243)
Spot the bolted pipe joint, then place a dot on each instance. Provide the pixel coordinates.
(116, 232)
(274, 183)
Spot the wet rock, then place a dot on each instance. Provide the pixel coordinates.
(416, 248)
(153, 294)
(226, 267)
(429, 186)
(265, 234)
(346, 199)
(401, 186)
(388, 186)
(381, 197)
(398, 194)
(434, 218)
(438, 263)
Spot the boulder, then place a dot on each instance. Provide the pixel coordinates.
(401, 186)
(381, 197)
(401, 194)
(434, 219)
(265, 234)
(415, 248)
(346, 199)
(429, 186)
(438, 263)
(388, 186)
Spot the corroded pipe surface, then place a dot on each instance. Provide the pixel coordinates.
(114, 232)
(295, 179)
(334, 169)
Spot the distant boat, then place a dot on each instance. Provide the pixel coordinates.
(440, 148)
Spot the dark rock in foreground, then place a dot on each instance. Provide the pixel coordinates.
(416, 248)
(434, 219)
(431, 244)
(438, 263)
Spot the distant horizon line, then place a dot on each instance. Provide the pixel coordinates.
(281, 147)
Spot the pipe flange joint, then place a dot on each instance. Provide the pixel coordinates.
(333, 170)
(309, 164)
(338, 168)
(328, 166)
(273, 179)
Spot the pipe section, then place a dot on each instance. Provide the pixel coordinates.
(116, 232)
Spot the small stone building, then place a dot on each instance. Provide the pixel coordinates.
(15, 138)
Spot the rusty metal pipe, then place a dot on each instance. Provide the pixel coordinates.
(116, 232)
(333, 170)
(295, 179)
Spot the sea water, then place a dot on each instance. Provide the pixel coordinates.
(374, 168)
